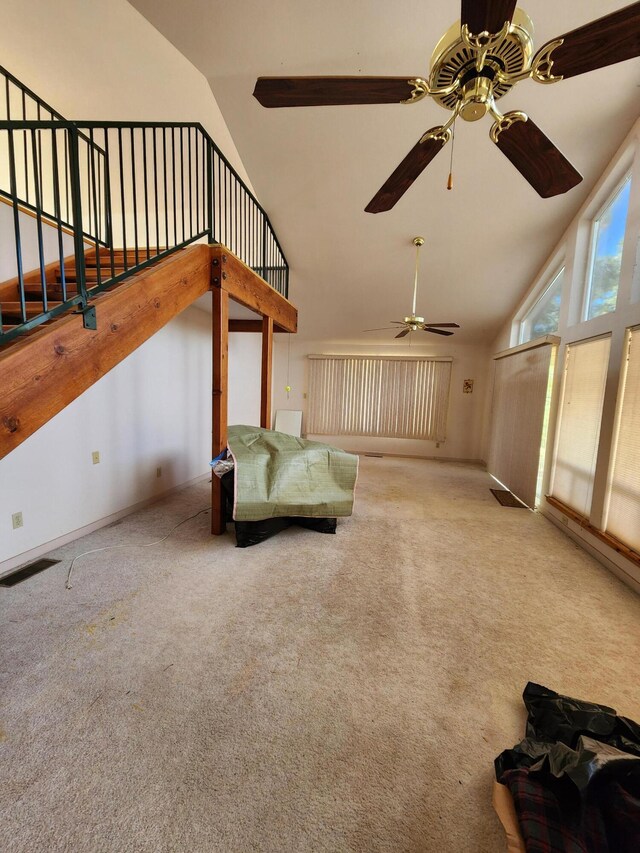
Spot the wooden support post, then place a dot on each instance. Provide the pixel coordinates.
(267, 361)
(220, 347)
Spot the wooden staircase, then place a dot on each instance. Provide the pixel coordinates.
(98, 268)
(45, 369)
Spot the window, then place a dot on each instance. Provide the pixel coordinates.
(521, 400)
(543, 317)
(374, 395)
(607, 238)
(623, 516)
(585, 373)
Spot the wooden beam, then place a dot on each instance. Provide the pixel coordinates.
(44, 372)
(267, 363)
(220, 352)
(251, 326)
(249, 289)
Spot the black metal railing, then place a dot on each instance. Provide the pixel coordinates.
(108, 200)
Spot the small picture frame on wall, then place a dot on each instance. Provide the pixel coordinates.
(467, 386)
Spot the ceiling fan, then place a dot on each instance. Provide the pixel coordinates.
(412, 323)
(477, 61)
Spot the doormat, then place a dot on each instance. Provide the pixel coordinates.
(506, 498)
(27, 571)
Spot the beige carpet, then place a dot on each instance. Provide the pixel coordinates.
(313, 693)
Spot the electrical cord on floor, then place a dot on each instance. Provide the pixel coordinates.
(130, 544)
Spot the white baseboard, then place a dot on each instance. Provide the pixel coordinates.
(33, 553)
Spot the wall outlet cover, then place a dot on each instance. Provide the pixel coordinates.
(16, 520)
(95, 456)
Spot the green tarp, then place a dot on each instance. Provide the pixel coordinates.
(280, 475)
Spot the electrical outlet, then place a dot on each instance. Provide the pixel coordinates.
(159, 471)
(16, 520)
(95, 456)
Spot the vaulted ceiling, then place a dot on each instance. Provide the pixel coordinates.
(315, 168)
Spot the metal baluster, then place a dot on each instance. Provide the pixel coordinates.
(122, 206)
(166, 194)
(182, 178)
(38, 199)
(135, 194)
(24, 140)
(95, 207)
(146, 189)
(108, 208)
(155, 187)
(76, 202)
(173, 182)
(16, 224)
(190, 184)
(56, 207)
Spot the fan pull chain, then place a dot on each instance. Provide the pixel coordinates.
(453, 140)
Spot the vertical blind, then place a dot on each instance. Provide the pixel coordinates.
(376, 395)
(623, 519)
(520, 397)
(585, 374)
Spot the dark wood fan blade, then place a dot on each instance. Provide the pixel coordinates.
(381, 329)
(403, 333)
(331, 91)
(411, 167)
(444, 325)
(603, 42)
(537, 158)
(436, 331)
(486, 15)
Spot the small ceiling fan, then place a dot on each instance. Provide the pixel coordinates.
(412, 323)
(477, 61)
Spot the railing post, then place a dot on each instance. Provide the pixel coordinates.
(264, 247)
(210, 189)
(76, 208)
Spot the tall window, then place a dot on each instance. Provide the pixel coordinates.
(607, 238)
(395, 397)
(578, 432)
(623, 516)
(543, 317)
(521, 399)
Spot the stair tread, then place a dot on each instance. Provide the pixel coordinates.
(32, 309)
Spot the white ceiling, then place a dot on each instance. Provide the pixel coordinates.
(315, 168)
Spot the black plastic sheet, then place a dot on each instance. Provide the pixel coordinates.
(575, 777)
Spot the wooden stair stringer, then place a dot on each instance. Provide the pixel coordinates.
(46, 371)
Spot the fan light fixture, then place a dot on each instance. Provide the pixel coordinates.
(413, 323)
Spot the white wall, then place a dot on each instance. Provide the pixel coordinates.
(29, 243)
(96, 60)
(466, 411)
(245, 366)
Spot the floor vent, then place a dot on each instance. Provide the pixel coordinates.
(506, 498)
(375, 455)
(27, 571)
